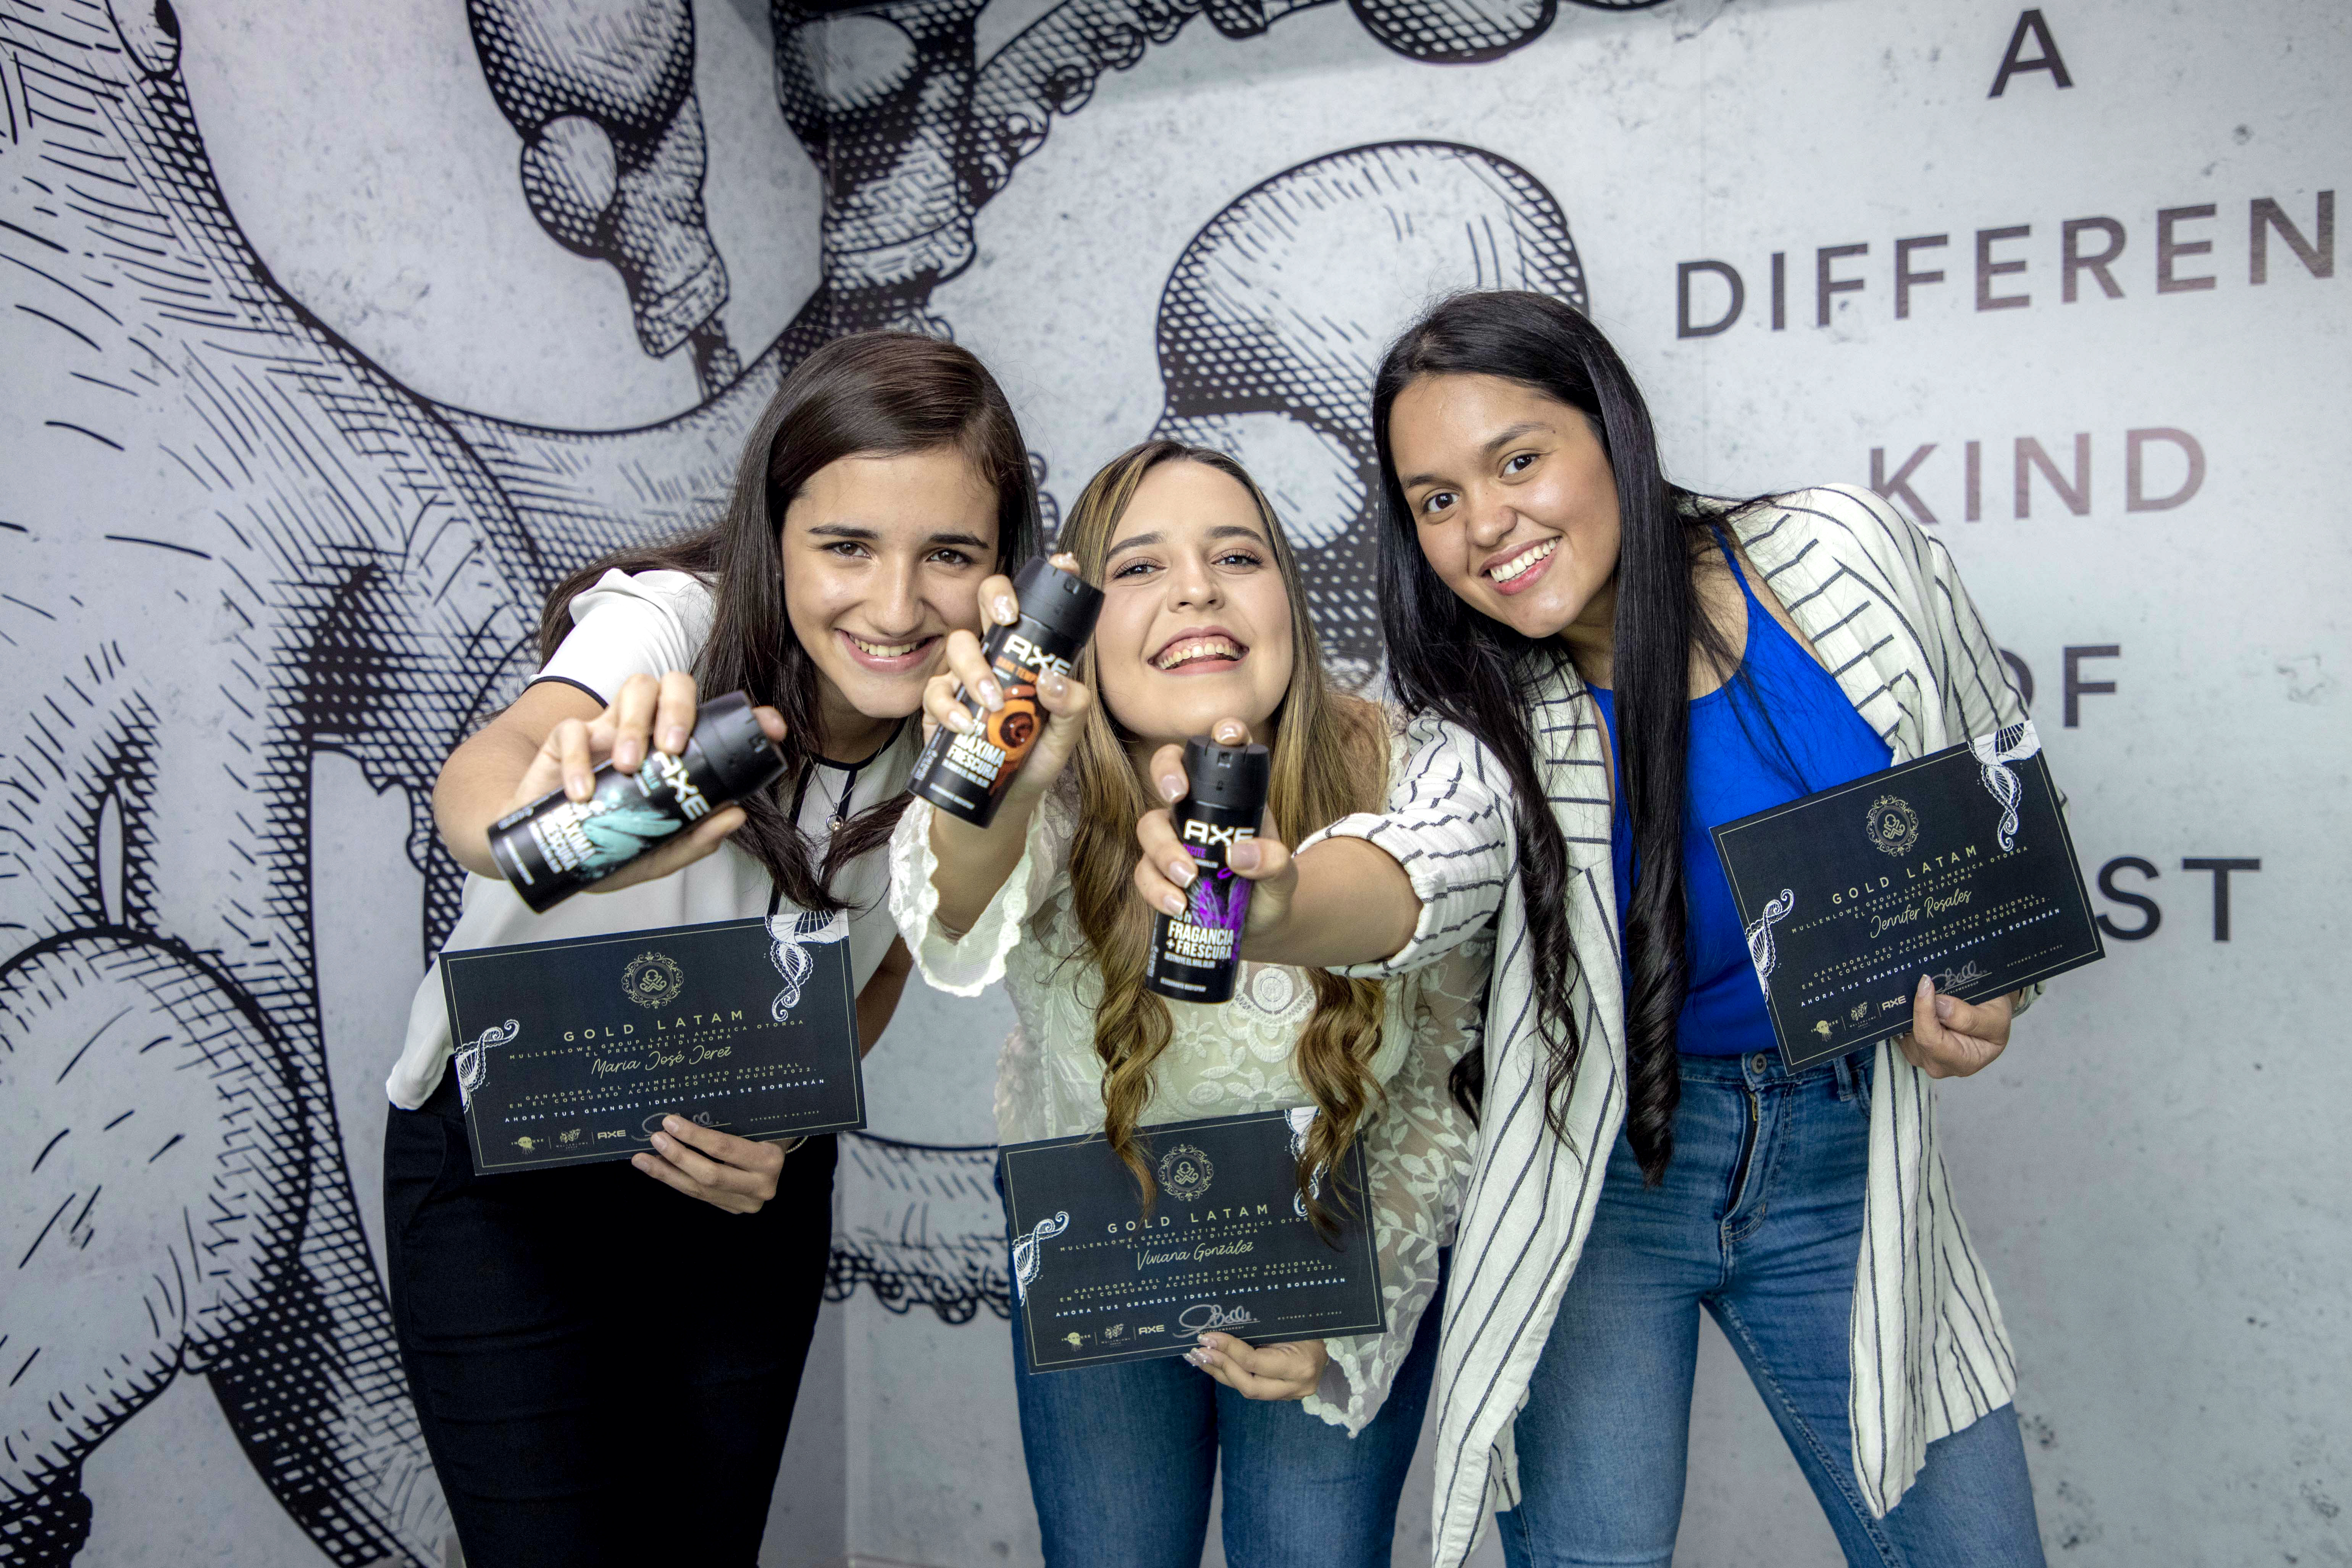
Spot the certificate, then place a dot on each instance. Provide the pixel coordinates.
(1957, 866)
(574, 1051)
(1101, 1276)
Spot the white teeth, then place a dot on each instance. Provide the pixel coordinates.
(883, 650)
(1215, 647)
(1518, 564)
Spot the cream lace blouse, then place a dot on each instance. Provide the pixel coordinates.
(1221, 1059)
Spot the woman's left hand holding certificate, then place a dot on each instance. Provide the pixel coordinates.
(721, 1169)
(1264, 1370)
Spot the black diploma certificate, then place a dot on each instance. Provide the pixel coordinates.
(1227, 1245)
(574, 1051)
(1957, 866)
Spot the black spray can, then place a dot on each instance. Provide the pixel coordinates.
(1194, 957)
(555, 846)
(968, 774)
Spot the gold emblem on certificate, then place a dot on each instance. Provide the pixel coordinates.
(1894, 825)
(653, 981)
(1185, 1173)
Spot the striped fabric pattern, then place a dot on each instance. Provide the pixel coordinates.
(1882, 604)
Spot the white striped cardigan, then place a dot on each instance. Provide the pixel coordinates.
(1882, 604)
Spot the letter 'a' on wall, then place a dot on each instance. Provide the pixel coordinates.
(286, 308)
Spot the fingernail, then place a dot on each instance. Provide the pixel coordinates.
(992, 695)
(673, 739)
(578, 789)
(1052, 685)
(1944, 1009)
(1173, 903)
(958, 721)
(1171, 786)
(1242, 856)
(1229, 732)
(1008, 609)
(1183, 871)
(1198, 1357)
(672, 1125)
(624, 754)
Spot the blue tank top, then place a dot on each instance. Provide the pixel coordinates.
(1779, 729)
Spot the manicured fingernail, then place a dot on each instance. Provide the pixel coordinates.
(1181, 872)
(1173, 903)
(1242, 856)
(1944, 1009)
(673, 740)
(992, 695)
(1171, 786)
(1229, 732)
(958, 721)
(1199, 1358)
(1053, 686)
(1008, 609)
(672, 1125)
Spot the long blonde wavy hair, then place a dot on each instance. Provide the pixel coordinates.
(1329, 757)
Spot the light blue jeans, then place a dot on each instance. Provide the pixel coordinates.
(1760, 1222)
(1121, 1460)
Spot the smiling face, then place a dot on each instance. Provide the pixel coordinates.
(1196, 623)
(883, 558)
(1513, 501)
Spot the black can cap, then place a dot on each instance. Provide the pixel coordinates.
(1229, 777)
(739, 753)
(1065, 603)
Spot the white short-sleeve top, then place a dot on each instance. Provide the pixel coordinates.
(651, 622)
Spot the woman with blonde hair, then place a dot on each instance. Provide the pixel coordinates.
(1204, 626)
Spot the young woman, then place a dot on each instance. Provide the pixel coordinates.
(1603, 666)
(604, 1358)
(1204, 620)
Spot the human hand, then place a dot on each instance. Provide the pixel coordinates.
(1950, 1038)
(721, 1169)
(1262, 1372)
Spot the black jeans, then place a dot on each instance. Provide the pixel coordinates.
(605, 1368)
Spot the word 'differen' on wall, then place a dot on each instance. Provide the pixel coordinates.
(2013, 266)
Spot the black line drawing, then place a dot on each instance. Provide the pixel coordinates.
(230, 541)
(1274, 318)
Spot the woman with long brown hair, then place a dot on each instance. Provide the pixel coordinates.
(604, 1369)
(1204, 621)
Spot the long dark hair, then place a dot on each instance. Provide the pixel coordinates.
(880, 392)
(1447, 659)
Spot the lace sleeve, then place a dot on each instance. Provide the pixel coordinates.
(968, 965)
(1417, 1157)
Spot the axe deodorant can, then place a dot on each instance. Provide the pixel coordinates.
(1195, 956)
(555, 846)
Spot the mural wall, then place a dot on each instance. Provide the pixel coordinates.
(328, 338)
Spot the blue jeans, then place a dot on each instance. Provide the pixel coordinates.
(1760, 1222)
(1121, 1460)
